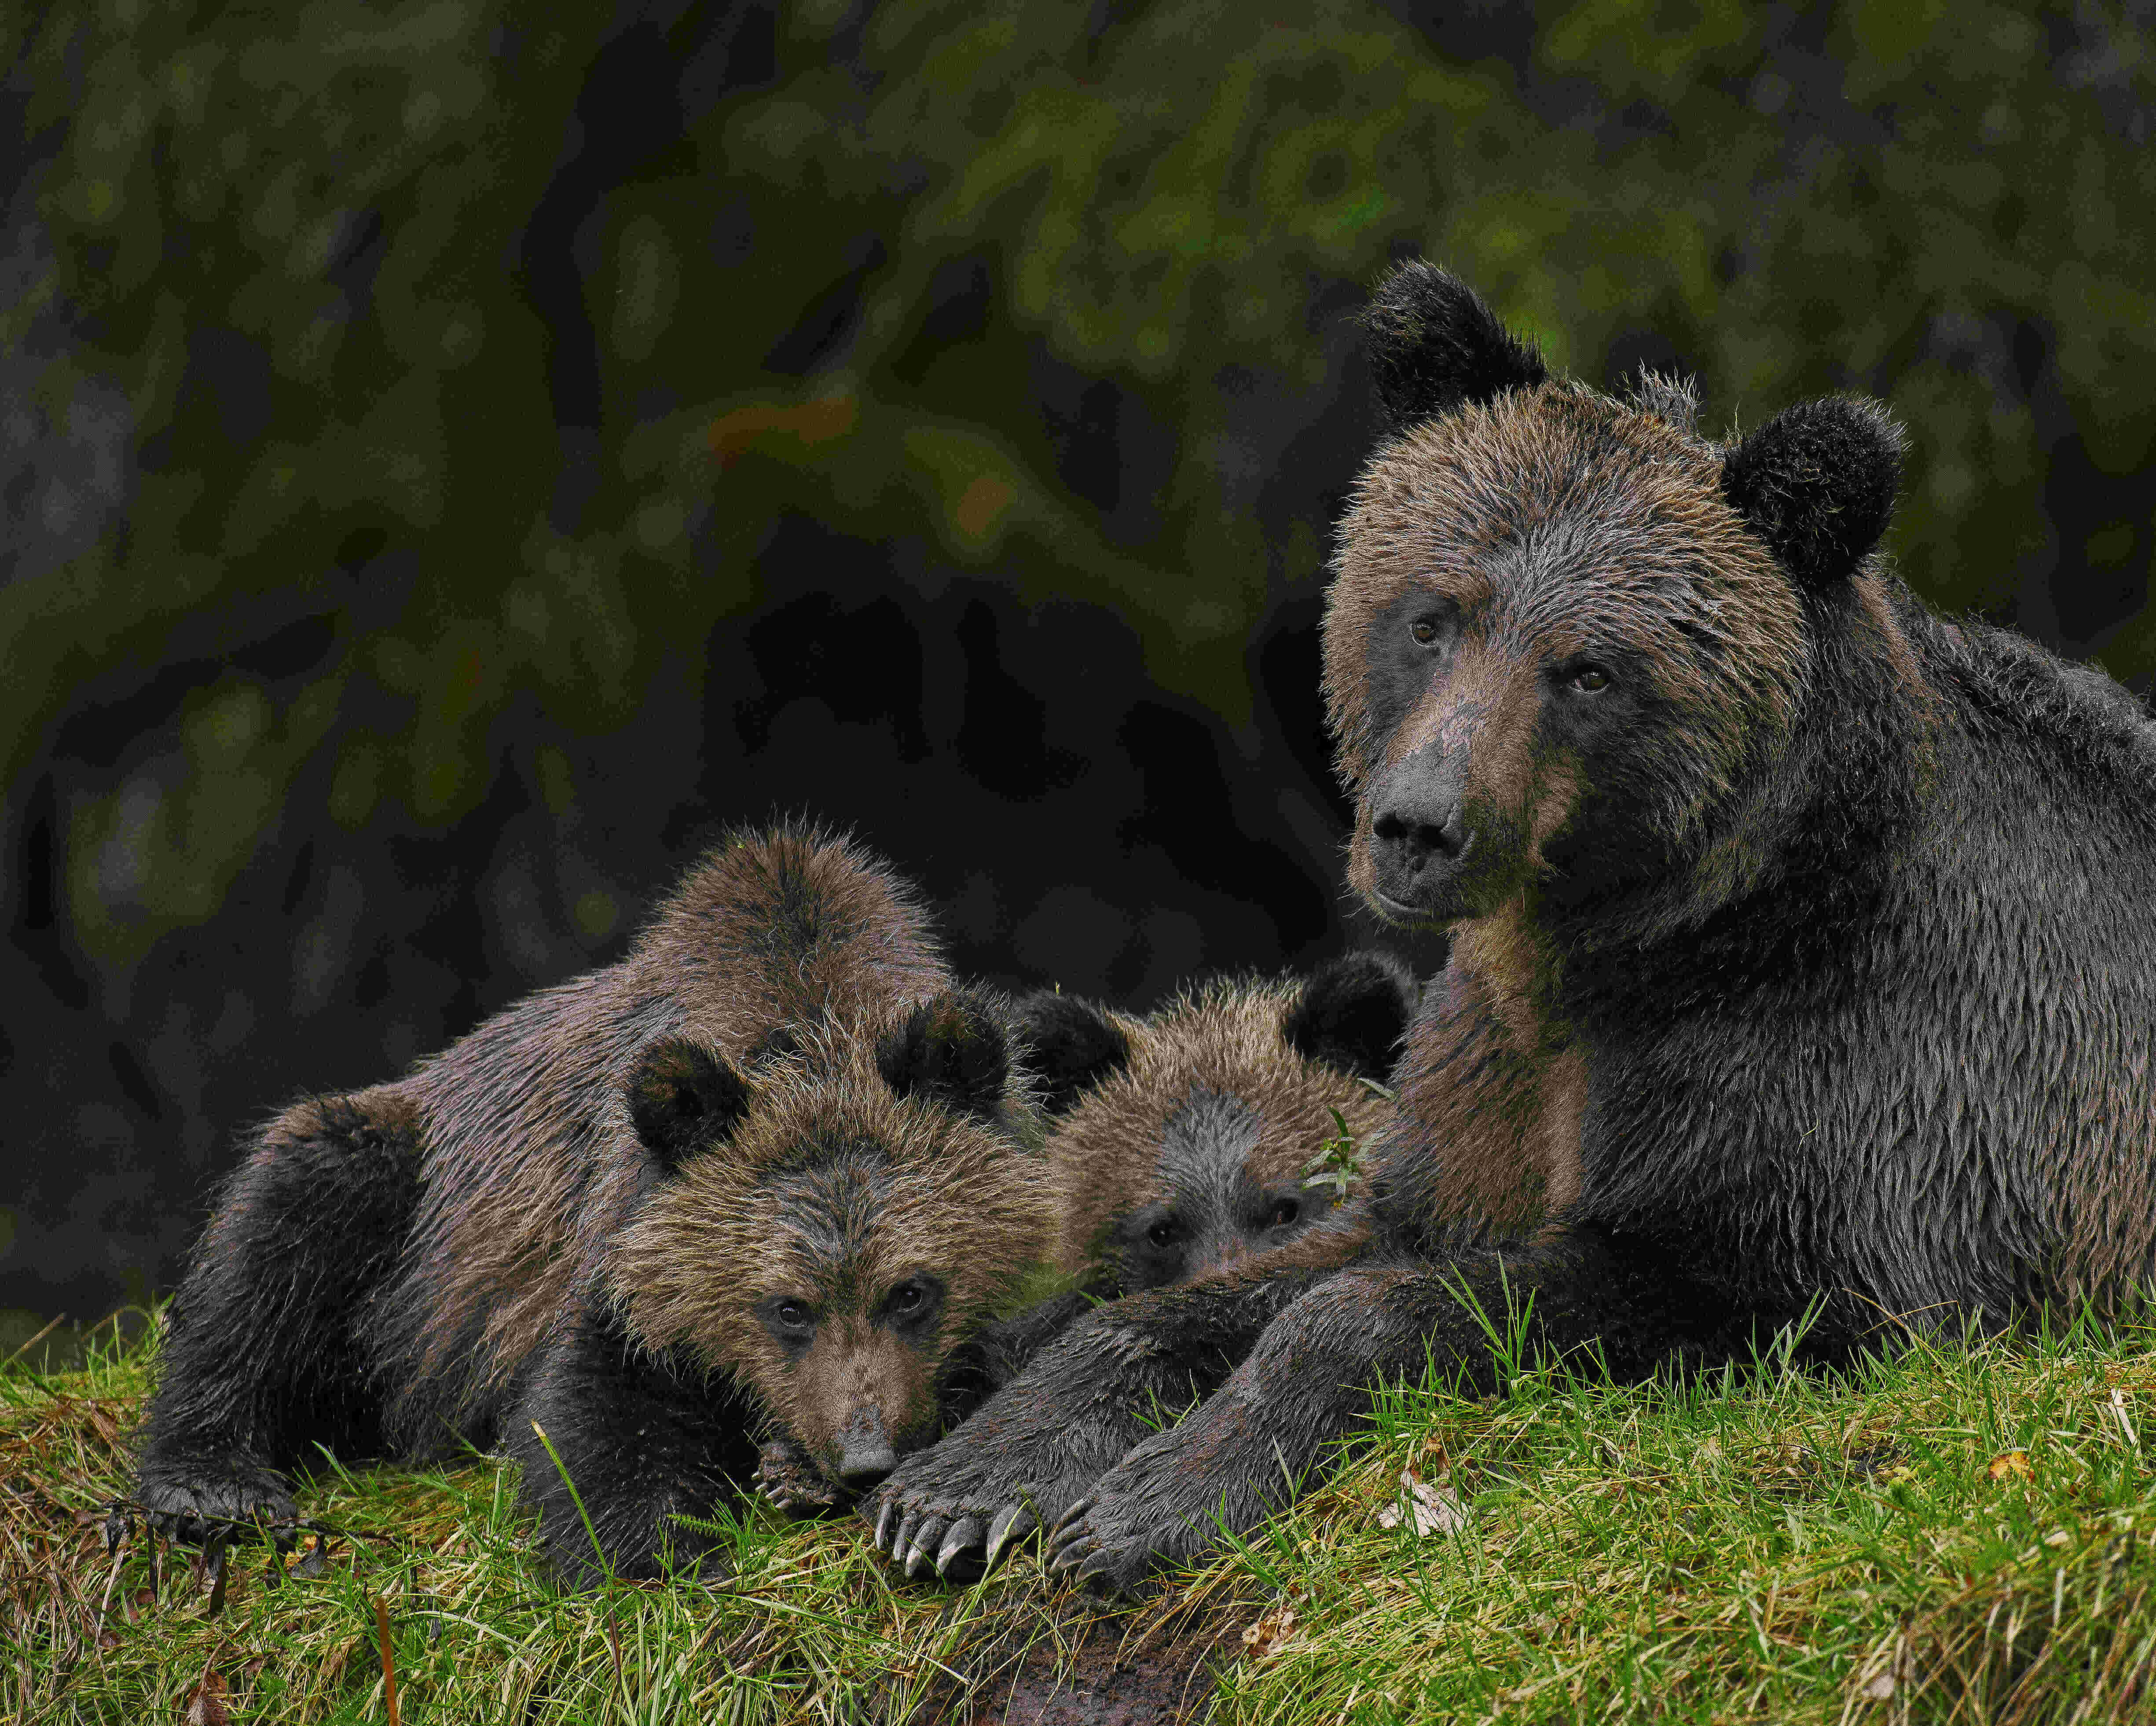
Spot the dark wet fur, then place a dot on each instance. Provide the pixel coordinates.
(1860, 1024)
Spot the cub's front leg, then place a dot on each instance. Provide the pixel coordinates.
(1037, 1446)
(631, 1443)
(267, 1359)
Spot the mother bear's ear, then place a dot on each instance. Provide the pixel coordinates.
(1435, 345)
(1817, 483)
(682, 1099)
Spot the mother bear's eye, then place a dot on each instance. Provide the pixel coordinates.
(1590, 680)
(1424, 631)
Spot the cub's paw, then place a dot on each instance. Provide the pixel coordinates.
(960, 1505)
(789, 1481)
(1161, 1506)
(196, 1501)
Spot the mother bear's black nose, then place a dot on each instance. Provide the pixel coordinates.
(1412, 830)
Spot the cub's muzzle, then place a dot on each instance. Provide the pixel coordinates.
(866, 1454)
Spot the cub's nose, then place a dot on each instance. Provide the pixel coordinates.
(865, 1455)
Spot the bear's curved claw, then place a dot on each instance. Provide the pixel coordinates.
(1057, 1535)
(217, 1500)
(1012, 1524)
(883, 1524)
(964, 1536)
(920, 1553)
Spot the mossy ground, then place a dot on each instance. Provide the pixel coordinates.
(1954, 1534)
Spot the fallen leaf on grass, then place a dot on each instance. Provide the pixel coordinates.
(206, 1701)
(1435, 1509)
(1271, 1633)
(2014, 1464)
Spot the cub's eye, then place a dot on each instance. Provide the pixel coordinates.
(1424, 631)
(914, 1301)
(1161, 1234)
(1590, 680)
(1284, 1211)
(793, 1315)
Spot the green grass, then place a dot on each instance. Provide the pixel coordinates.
(1953, 1535)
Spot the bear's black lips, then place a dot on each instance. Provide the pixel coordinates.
(1448, 909)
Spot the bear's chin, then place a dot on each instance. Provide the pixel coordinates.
(1447, 906)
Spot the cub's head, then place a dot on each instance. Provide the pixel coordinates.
(831, 1227)
(1565, 632)
(1184, 1141)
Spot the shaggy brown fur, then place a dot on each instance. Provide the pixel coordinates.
(835, 1191)
(527, 1175)
(767, 1170)
(1212, 1071)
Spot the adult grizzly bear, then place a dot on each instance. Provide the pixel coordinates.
(1182, 1142)
(1804, 945)
(704, 1195)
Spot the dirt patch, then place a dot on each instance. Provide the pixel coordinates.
(1075, 1666)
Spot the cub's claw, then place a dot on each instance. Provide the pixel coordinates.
(790, 1482)
(196, 1506)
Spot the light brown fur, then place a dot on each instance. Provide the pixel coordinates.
(1491, 1077)
(1226, 1038)
(944, 1193)
(532, 1165)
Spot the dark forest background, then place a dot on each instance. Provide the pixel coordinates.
(460, 455)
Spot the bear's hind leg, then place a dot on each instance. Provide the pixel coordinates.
(266, 1354)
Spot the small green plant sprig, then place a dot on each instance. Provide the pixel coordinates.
(1338, 1163)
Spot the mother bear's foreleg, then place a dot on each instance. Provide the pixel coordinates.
(1307, 1384)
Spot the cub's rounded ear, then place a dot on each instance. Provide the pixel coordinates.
(1070, 1045)
(1435, 344)
(951, 1049)
(682, 1099)
(1817, 483)
(1352, 1013)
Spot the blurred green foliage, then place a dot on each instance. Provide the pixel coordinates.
(1170, 196)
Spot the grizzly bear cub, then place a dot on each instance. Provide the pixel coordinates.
(1221, 1127)
(627, 1228)
(1803, 961)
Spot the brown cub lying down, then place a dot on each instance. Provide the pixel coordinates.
(699, 1198)
(1184, 1141)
